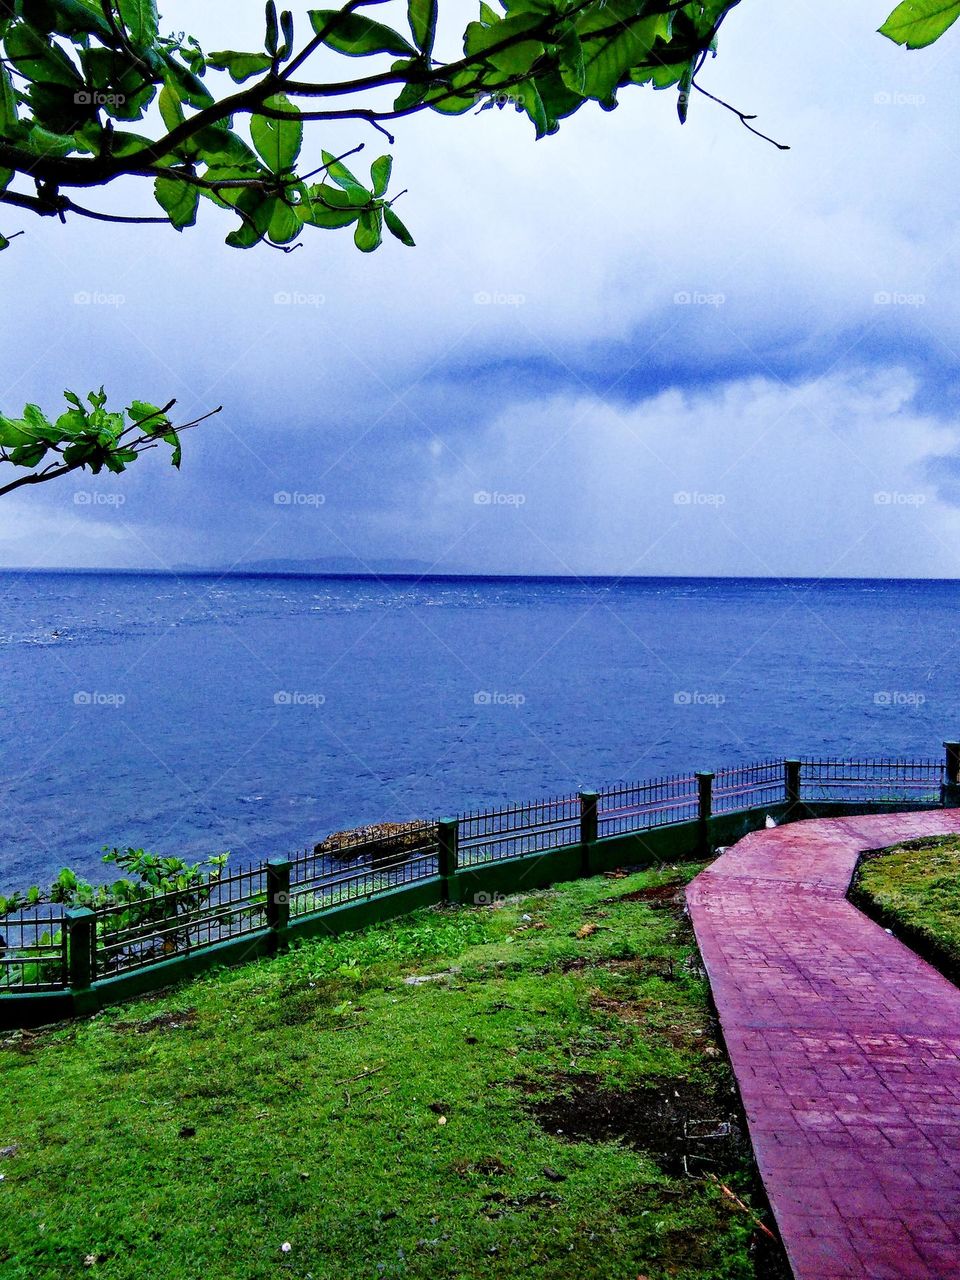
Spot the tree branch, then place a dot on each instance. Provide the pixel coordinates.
(140, 444)
(741, 116)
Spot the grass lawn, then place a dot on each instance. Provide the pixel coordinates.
(914, 889)
(549, 1101)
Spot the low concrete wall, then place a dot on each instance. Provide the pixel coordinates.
(682, 841)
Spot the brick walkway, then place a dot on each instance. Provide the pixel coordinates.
(846, 1047)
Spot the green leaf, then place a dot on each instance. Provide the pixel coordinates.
(320, 213)
(572, 68)
(529, 95)
(141, 21)
(380, 172)
(279, 221)
(13, 433)
(71, 424)
(190, 89)
(220, 147)
(357, 36)
(344, 179)
(171, 437)
(277, 141)
(515, 59)
(241, 66)
(28, 455)
(369, 232)
(917, 23)
(272, 40)
(246, 236)
(34, 417)
(445, 99)
(286, 26)
(411, 95)
(171, 108)
(422, 16)
(8, 103)
(397, 228)
(609, 57)
(146, 415)
(39, 59)
(178, 200)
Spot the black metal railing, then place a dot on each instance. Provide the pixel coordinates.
(357, 865)
(32, 950)
(878, 781)
(47, 948)
(495, 834)
(749, 786)
(639, 806)
(161, 926)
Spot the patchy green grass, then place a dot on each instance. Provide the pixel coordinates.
(914, 889)
(386, 1128)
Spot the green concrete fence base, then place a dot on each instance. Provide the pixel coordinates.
(696, 839)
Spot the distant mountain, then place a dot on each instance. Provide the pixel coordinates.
(319, 565)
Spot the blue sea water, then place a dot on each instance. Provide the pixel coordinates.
(195, 714)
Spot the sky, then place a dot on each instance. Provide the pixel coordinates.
(630, 348)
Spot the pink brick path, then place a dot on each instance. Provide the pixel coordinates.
(846, 1047)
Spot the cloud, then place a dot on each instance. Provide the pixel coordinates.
(627, 270)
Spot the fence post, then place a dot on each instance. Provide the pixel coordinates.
(589, 827)
(704, 810)
(448, 844)
(950, 788)
(278, 900)
(791, 786)
(79, 941)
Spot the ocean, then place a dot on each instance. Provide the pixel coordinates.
(196, 714)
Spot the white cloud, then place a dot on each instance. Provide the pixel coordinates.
(581, 243)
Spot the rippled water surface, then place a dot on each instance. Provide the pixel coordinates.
(256, 714)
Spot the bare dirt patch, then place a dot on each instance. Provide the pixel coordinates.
(174, 1020)
(686, 1129)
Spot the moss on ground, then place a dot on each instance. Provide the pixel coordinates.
(385, 1127)
(914, 889)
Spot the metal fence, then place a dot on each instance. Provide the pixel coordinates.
(878, 781)
(640, 805)
(496, 834)
(31, 950)
(156, 927)
(749, 786)
(359, 865)
(354, 866)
